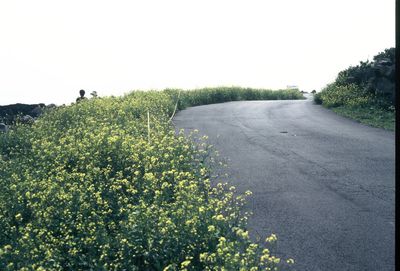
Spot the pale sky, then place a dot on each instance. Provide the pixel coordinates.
(49, 50)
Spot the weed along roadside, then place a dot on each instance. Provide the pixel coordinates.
(365, 92)
(106, 184)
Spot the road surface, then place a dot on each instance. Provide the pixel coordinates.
(324, 184)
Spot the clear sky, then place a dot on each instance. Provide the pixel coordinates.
(49, 50)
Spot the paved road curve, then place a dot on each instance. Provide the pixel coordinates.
(324, 184)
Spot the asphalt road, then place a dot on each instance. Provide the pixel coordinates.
(324, 184)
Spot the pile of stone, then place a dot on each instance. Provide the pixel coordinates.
(384, 76)
(24, 113)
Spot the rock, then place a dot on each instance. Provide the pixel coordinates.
(384, 62)
(9, 113)
(36, 112)
(27, 119)
(384, 85)
(384, 67)
(3, 128)
(383, 81)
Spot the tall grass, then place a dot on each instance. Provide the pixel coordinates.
(226, 94)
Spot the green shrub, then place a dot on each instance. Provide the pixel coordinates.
(364, 92)
(348, 95)
(374, 78)
(318, 98)
(100, 186)
(370, 83)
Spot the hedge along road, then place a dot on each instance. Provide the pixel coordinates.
(324, 184)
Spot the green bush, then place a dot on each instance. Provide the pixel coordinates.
(367, 84)
(100, 186)
(318, 98)
(365, 92)
(348, 95)
(375, 78)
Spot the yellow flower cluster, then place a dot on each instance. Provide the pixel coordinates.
(271, 239)
(93, 186)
